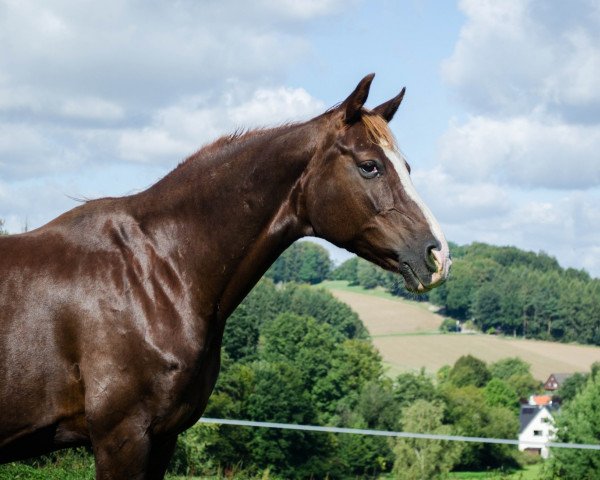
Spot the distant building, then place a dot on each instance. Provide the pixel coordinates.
(555, 380)
(536, 425)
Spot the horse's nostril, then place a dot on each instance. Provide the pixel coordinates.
(430, 259)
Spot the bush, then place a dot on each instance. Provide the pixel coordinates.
(449, 326)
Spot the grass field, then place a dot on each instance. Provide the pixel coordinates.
(531, 472)
(406, 334)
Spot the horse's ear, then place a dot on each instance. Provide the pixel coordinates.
(352, 106)
(388, 109)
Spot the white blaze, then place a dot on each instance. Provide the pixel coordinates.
(442, 256)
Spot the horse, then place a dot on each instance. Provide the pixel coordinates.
(112, 314)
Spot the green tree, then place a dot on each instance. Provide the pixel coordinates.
(524, 385)
(375, 408)
(418, 459)
(302, 262)
(410, 387)
(499, 393)
(508, 367)
(470, 415)
(368, 275)
(240, 339)
(347, 271)
(378, 406)
(321, 304)
(469, 370)
(356, 363)
(279, 395)
(578, 422)
(487, 307)
(304, 342)
(515, 373)
(571, 387)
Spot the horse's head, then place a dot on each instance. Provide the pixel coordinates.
(359, 195)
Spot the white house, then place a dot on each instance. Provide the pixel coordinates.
(536, 428)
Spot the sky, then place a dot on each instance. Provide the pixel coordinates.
(500, 122)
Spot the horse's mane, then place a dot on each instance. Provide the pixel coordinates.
(238, 137)
(377, 129)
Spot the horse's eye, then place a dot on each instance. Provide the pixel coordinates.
(369, 169)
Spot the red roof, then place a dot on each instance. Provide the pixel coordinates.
(541, 399)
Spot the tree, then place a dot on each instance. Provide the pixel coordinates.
(470, 415)
(368, 275)
(280, 396)
(302, 262)
(347, 271)
(469, 370)
(352, 367)
(578, 422)
(240, 339)
(572, 386)
(499, 394)
(321, 304)
(2, 231)
(515, 373)
(410, 387)
(418, 459)
(524, 385)
(302, 341)
(508, 367)
(487, 307)
(375, 408)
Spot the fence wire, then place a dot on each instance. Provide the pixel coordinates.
(387, 433)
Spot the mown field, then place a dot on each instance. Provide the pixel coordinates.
(406, 334)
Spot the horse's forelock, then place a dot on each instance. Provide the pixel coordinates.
(378, 130)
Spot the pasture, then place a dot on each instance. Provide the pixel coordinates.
(406, 334)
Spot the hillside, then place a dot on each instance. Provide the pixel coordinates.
(405, 333)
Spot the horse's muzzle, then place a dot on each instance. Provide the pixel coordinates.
(438, 266)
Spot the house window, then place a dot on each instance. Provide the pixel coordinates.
(537, 433)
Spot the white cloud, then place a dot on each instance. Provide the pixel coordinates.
(147, 55)
(82, 83)
(527, 72)
(517, 55)
(179, 130)
(303, 9)
(456, 202)
(92, 109)
(26, 151)
(564, 225)
(523, 152)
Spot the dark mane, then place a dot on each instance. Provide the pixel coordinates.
(238, 139)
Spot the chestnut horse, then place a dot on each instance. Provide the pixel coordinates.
(112, 315)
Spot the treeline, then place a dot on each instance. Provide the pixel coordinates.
(294, 354)
(307, 262)
(504, 290)
(521, 293)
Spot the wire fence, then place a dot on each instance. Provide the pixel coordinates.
(387, 433)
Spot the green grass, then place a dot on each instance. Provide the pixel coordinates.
(530, 472)
(70, 465)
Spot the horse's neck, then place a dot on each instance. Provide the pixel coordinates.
(229, 214)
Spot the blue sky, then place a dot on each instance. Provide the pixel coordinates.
(501, 121)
